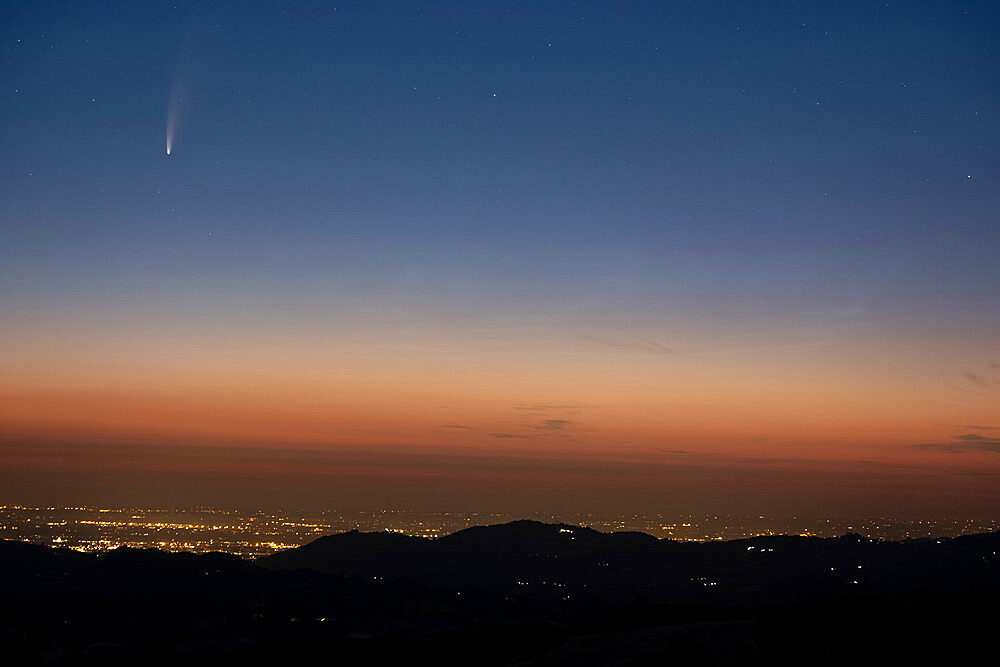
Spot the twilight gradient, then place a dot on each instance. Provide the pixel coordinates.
(710, 256)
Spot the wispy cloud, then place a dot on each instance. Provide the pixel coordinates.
(975, 437)
(456, 426)
(636, 343)
(967, 442)
(976, 379)
(949, 447)
(510, 435)
(553, 424)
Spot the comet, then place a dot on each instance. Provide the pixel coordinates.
(175, 107)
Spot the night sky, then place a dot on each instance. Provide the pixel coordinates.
(520, 256)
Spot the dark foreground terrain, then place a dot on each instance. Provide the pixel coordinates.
(523, 593)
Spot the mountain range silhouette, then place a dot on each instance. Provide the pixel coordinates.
(522, 593)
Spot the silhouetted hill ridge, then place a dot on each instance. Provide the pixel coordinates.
(522, 593)
(352, 552)
(565, 559)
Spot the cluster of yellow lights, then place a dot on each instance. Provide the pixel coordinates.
(262, 532)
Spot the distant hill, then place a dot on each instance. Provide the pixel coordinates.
(363, 554)
(556, 560)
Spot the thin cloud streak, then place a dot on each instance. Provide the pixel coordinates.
(967, 442)
(976, 379)
(553, 424)
(640, 344)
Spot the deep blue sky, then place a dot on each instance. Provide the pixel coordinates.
(694, 127)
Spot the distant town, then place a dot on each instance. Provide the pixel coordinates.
(259, 533)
